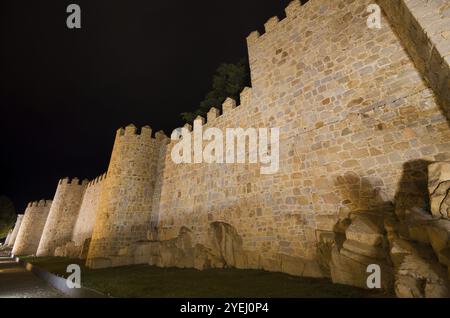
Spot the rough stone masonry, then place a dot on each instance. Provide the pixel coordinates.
(364, 120)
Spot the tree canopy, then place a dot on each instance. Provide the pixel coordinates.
(228, 81)
(7, 215)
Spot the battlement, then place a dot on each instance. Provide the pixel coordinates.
(40, 203)
(229, 105)
(292, 11)
(132, 130)
(73, 182)
(98, 179)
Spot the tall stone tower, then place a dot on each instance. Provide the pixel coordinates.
(84, 225)
(8, 237)
(62, 216)
(12, 238)
(124, 211)
(32, 227)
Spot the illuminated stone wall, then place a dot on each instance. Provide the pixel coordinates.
(32, 227)
(353, 111)
(360, 120)
(88, 212)
(63, 214)
(126, 199)
(12, 238)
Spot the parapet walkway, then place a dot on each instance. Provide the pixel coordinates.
(17, 282)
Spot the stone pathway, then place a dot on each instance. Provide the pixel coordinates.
(17, 282)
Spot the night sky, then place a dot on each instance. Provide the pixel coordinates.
(65, 92)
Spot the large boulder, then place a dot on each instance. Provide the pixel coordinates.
(366, 229)
(350, 268)
(364, 246)
(439, 235)
(417, 272)
(439, 188)
(417, 277)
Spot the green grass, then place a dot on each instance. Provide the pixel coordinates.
(150, 281)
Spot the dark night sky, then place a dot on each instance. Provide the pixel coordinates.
(65, 92)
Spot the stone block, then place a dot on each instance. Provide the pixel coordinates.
(439, 188)
(364, 249)
(439, 235)
(365, 230)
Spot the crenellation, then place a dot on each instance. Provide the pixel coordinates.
(188, 127)
(271, 24)
(146, 132)
(130, 130)
(246, 96)
(65, 180)
(160, 136)
(199, 120)
(228, 105)
(293, 9)
(212, 114)
(253, 37)
(120, 132)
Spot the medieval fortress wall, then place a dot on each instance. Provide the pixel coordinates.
(32, 227)
(361, 112)
(423, 29)
(352, 110)
(63, 215)
(15, 231)
(87, 214)
(124, 211)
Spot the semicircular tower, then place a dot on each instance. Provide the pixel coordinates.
(63, 214)
(30, 231)
(12, 238)
(125, 206)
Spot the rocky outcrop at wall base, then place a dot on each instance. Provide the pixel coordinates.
(439, 188)
(225, 251)
(365, 245)
(417, 270)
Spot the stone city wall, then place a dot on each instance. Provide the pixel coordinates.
(63, 214)
(32, 227)
(124, 213)
(15, 231)
(352, 110)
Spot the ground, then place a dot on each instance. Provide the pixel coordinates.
(150, 281)
(17, 282)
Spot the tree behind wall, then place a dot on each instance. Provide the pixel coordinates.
(228, 81)
(7, 215)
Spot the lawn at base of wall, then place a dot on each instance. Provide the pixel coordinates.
(151, 281)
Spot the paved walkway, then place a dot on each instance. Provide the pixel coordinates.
(17, 282)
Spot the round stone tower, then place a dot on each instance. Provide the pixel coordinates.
(63, 214)
(8, 237)
(124, 210)
(12, 238)
(84, 225)
(30, 232)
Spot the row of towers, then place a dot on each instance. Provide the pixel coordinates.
(97, 219)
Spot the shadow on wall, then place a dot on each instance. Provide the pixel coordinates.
(412, 191)
(358, 236)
